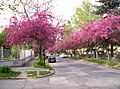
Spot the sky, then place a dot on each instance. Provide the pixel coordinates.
(66, 8)
(62, 8)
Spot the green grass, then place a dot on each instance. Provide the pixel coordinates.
(40, 64)
(44, 72)
(96, 61)
(10, 74)
(32, 74)
(112, 64)
(6, 59)
(7, 72)
(101, 62)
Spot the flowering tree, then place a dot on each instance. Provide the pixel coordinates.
(103, 33)
(102, 30)
(37, 30)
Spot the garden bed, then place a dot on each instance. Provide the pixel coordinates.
(40, 64)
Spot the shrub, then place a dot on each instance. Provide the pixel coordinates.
(40, 64)
(5, 69)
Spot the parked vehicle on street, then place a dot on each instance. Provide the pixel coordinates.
(51, 59)
(63, 55)
(47, 55)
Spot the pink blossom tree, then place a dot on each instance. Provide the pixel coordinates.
(37, 30)
(101, 33)
(108, 26)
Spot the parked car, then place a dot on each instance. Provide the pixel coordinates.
(63, 55)
(47, 55)
(51, 59)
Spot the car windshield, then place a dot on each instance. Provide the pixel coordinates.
(48, 54)
(62, 53)
(52, 56)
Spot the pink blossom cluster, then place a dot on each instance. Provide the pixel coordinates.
(34, 30)
(91, 35)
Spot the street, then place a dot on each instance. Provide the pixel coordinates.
(70, 74)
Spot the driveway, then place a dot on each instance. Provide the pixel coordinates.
(70, 74)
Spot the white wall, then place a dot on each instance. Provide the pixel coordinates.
(26, 53)
(15, 62)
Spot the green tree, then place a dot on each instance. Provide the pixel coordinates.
(108, 6)
(68, 29)
(2, 38)
(68, 26)
(84, 14)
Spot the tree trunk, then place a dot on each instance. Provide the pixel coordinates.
(78, 53)
(74, 53)
(71, 53)
(91, 54)
(44, 57)
(87, 55)
(112, 51)
(68, 52)
(108, 55)
(40, 52)
(95, 53)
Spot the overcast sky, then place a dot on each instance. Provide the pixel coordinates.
(65, 8)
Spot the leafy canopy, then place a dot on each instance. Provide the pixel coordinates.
(84, 14)
(108, 6)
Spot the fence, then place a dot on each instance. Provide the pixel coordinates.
(14, 54)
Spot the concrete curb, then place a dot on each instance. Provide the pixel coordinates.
(51, 73)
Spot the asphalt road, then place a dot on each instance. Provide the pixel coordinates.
(70, 75)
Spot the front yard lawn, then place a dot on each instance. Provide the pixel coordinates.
(101, 62)
(7, 72)
(10, 74)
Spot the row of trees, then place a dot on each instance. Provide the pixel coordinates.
(35, 26)
(92, 33)
(101, 33)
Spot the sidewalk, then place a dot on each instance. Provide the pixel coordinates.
(28, 67)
